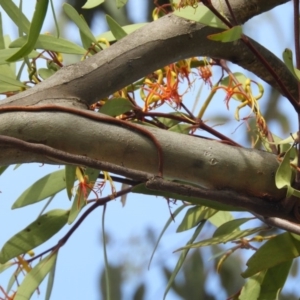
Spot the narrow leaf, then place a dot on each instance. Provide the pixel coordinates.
(116, 107)
(121, 3)
(70, 175)
(170, 220)
(51, 280)
(182, 258)
(201, 14)
(80, 23)
(115, 28)
(80, 199)
(225, 238)
(194, 216)
(34, 278)
(36, 233)
(16, 15)
(230, 226)
(128, 29)
(229, 35)
(35, 28)
(45, 187)
(51, 43)
(92, 3)
(281, 248)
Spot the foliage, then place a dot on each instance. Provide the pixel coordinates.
(141, 103)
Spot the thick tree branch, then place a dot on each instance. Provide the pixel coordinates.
(208, 164)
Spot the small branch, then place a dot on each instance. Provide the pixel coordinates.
(228, 197)
(99, 202)
(280, 223)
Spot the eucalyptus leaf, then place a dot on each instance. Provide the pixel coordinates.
(194, 216)
(34, 278)
(275, 251)
(51, 43)
(115, 28)
(92, 3)
(35, 234)
(34, 31)
(116, 107)
(45, 187)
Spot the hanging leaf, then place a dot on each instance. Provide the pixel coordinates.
(50, 280)
(121, 3)
(115, 28)
(34, 278)
(201, 14)
(80, 22)
(70, 175)
(194, 216)
(170, 220)
(229, 35)
(35, 234)
(116, 107)
(92, 3)
(45, 187)
(275, 251)
(16, 15)
(34, 31)
(80, 199)
(182, 258)
(128, 29)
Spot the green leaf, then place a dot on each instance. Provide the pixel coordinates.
(141, 189)
(36, 233)
(15, 15)
(34, 31)
(230, 226)
(46, 73)
(4, 53)
(80, 22)
(279, 249)
(181, 128)
(202, 15)
(170, 220)
(128, 29)
(45, 187)
(116, 107)
(225, 238)
(284, 174)
(80, 199)
(251, 289)
(182, 258)
(220, 218)
(121, 3)
(115, 28)
(92, 3)
(51, 280)
(70, 175)
(34, 278)
(274, 281)
(2, 42)
(194, 216)
(5, 266)
(51, 43)
(229, 35)
(2, 169)
(11, 81)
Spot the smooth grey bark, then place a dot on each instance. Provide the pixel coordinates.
(207, 163)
